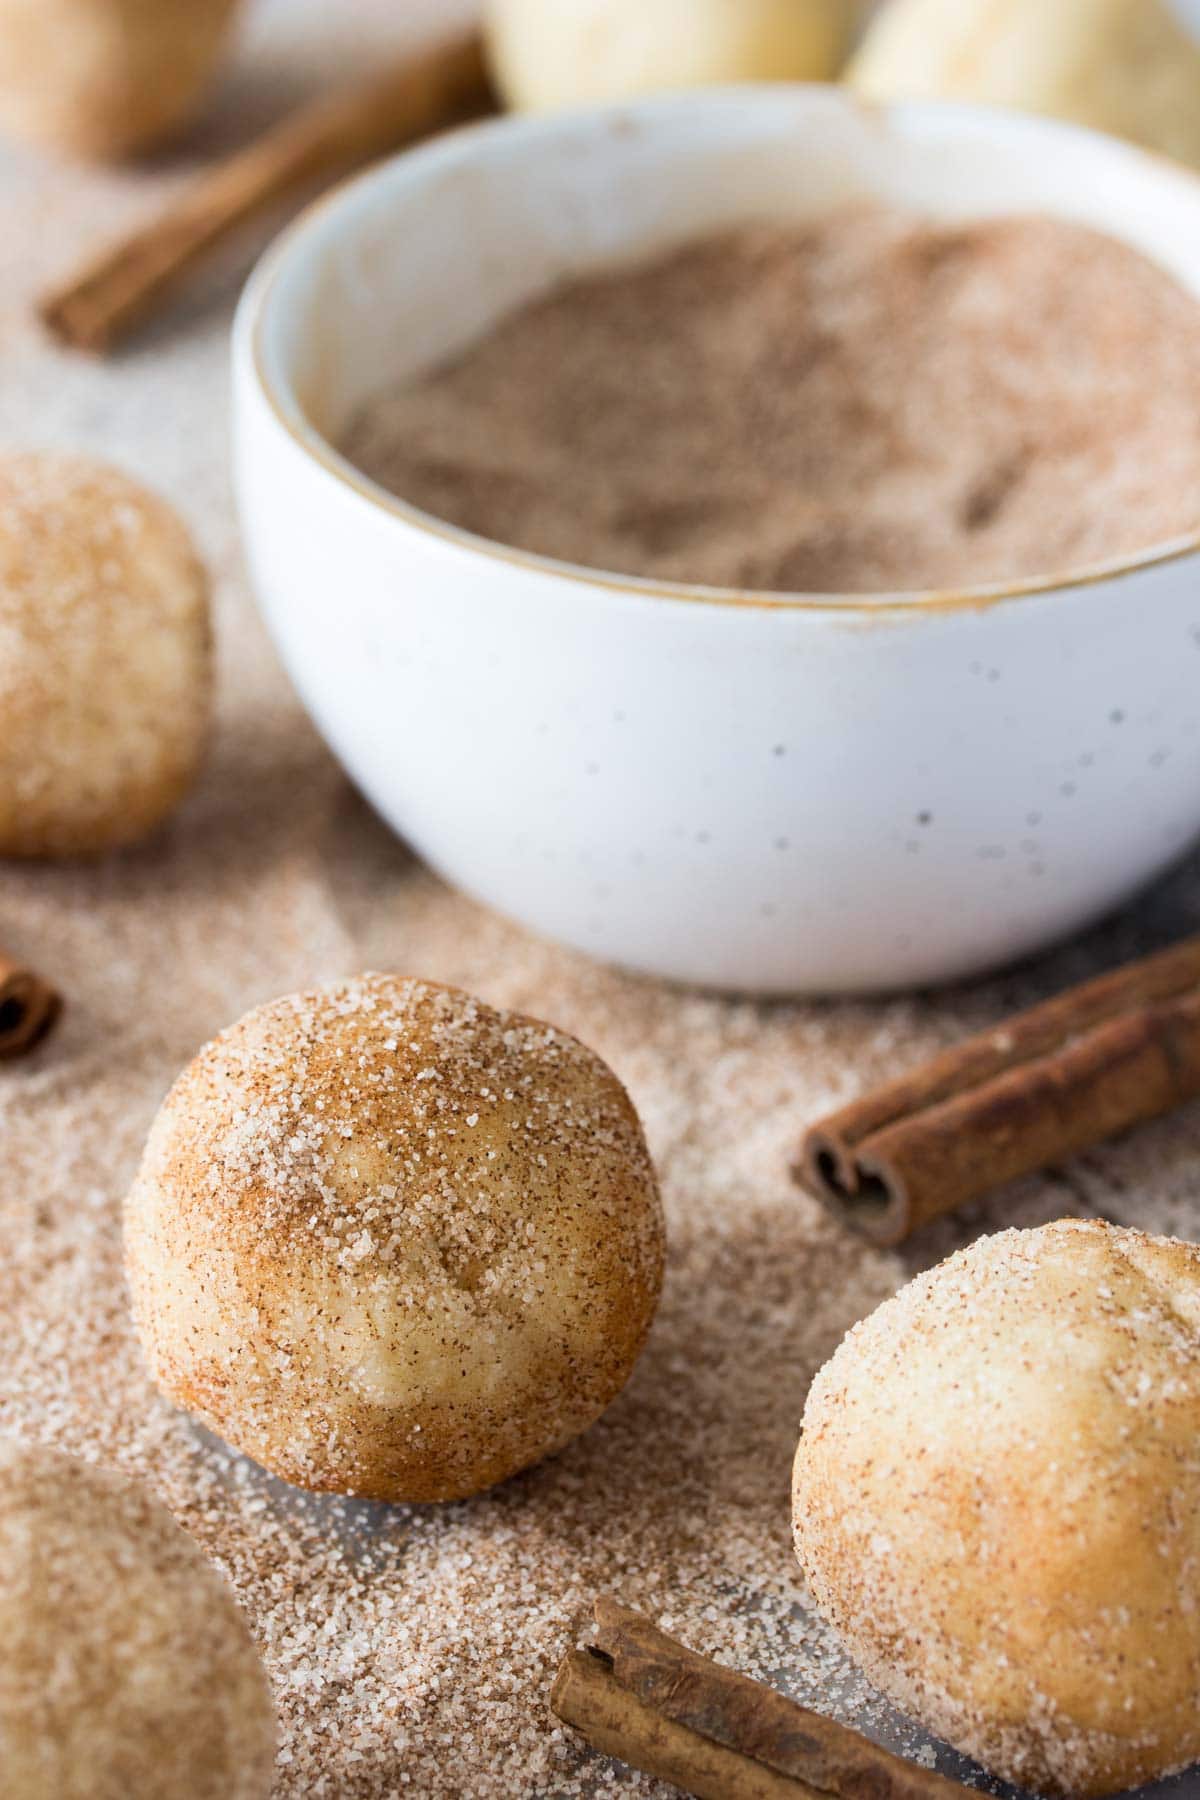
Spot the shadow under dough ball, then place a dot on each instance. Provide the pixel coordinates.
(127, 1671)
(105, 658)
(389, 1241)
(997, 1503)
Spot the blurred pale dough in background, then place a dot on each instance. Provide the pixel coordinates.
(548, 54)
(1128, 67)
(104, 79)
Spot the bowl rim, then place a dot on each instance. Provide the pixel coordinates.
(427, 157)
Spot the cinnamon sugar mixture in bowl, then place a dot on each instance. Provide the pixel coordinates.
(867, 402)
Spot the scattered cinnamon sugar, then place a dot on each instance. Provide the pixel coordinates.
(411, 1649)
(869, 402)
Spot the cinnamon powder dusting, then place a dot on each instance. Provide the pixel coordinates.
(867, 403)
(411, 1649)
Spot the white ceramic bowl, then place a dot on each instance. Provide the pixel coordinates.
(769, 793)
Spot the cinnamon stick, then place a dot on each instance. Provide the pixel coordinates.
(126, 283)
(639, 1695)
(29, 1008)
(1094, 1061)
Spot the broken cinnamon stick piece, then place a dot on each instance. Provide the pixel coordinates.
(29, 1008)
(639, 1695)
(123, 286)
(1094, 1061)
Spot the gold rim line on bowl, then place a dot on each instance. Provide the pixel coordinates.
(290, 416)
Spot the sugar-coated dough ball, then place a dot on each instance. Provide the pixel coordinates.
(105, 657)
(105, 78)
(127, 1671)
(997, 1503)
(548, 54)
(389, 1241)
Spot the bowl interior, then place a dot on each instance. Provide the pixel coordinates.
(408, 264)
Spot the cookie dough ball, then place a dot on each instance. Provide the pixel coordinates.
(388, 1241)
(546, 54)
(1129, 67)
(104, 78)
(997, 1504)
(127, 1671)
(105, 658)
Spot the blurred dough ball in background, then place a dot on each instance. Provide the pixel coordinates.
(127, 1671)
(103, 79)
(105, 657)
(1128, 67)
(558, 53)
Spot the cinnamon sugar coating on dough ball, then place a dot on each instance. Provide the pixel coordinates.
(389, 1241)
(997, 1503)
(127, 1671)
(105, 658)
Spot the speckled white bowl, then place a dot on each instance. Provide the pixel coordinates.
(770, 793)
